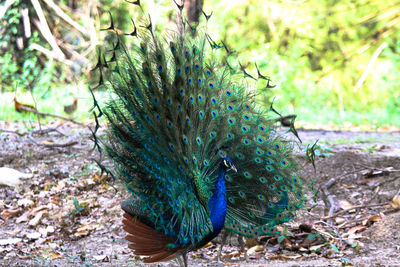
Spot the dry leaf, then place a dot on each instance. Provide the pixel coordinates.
(375, 218)
(24, 217)
(9, 213)
(103, 258)
(344, 204)
(207, 245)
(38, 209)
(54, 255)
(234, 254)
(36, 220)
(339, 220)
(47, 142)
(356, 229)
(255, 249)
(25, 202)
(283, 257)
(84, 230)
(395, 201)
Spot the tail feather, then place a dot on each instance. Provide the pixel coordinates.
(147, 242)
(165, 256)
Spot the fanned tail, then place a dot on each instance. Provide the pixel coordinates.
(145, 240)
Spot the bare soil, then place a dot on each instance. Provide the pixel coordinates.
(69, 215)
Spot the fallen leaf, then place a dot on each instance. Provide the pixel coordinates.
(54, 255)
(25, 202)
(344, 204)
(9, 213)
(356, 229)
(339, 220)
(47, 142)
(234, 254)
(38, 209)
(24, 217)
(255, 249)
(207, 245)
(33, 236)
(284, 257)
(36, 220)
(374, 218)
(103, 258)
(395, 201)
(84, 230)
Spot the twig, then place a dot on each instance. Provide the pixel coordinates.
(27, 24)
(48, 130)
(50, 54)
(352, 208)
(36, 108)
(6, 6)
(13, 132)
(60, 117)
(355, 221)
(41, 131)
(330, 183)
(370, 65)
(65, 17)
(50, 145)
(44, 114)
(45, 30)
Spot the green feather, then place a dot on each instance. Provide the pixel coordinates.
(175, 112)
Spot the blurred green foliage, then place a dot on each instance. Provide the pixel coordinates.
(21, 65)
(319, 53)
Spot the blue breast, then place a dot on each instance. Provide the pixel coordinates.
(217, 205)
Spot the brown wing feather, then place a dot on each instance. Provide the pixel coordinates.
(145, 241)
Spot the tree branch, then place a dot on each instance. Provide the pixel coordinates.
(65, 17)
(6, 6)
(45, 30)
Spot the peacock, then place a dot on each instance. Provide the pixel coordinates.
(190, 143)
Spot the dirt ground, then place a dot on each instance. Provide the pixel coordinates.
(67, 215)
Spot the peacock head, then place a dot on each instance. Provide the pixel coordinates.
(227, 164)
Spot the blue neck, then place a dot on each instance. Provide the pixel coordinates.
(217, 204)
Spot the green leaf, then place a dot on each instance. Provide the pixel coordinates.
(280, 238)
(334, 247)
(76, 203)
(311, 236)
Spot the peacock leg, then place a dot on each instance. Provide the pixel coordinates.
(179, 259)
(224, 237)
(183, 261)
(242, 248)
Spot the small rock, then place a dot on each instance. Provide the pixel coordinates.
(11, 177)
(33, 236)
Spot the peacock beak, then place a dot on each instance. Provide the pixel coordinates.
(234, 168)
